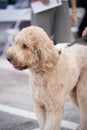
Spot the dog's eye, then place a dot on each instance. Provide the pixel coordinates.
(24, 46)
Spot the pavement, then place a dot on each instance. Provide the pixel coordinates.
(14, 92)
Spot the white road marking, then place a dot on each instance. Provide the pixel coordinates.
(18, 112)
(67, 124)
(31, 115)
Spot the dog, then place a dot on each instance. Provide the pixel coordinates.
(53, 75)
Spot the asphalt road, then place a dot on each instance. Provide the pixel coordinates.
(13, 122)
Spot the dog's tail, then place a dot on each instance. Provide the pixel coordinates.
(73, 96)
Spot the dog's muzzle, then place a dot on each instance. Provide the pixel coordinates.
(16, 65)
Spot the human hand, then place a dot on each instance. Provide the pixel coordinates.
(45, 1)
(84, 32)
(74, 18)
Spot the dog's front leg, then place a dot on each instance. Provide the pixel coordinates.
(41, 115)
(53, 119)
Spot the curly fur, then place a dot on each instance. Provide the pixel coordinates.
(53, 75)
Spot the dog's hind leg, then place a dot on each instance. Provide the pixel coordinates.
(73, 96)
(82, 100)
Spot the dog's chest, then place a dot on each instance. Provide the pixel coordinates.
(44, 90)
(40, 94)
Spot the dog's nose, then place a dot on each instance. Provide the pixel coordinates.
(9, 58)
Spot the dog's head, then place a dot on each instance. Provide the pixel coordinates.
(33, 49)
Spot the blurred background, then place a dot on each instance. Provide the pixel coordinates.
(16, 14)
(14, 85)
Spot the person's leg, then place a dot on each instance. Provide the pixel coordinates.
(43, 20)
(82, 25)
(62, 24)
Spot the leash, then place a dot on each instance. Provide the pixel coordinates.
(77, 41)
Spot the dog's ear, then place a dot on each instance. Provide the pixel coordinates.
(48, 58)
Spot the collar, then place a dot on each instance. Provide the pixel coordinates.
(77, 41)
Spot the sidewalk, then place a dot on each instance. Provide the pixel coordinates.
(4, 64)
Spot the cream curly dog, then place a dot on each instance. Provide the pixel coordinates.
(53, 75)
